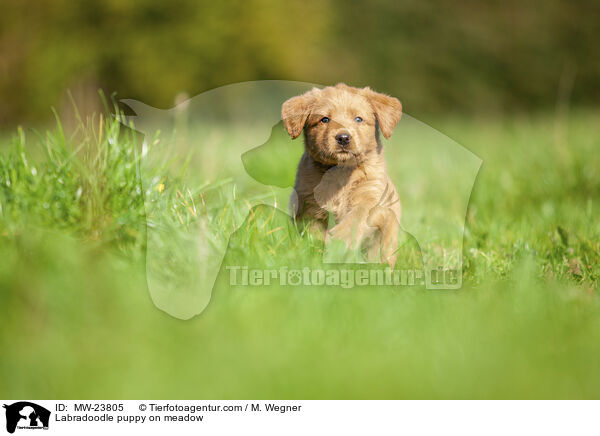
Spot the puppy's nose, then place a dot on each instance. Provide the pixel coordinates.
(343, 139)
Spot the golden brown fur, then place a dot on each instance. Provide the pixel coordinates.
(349, 179)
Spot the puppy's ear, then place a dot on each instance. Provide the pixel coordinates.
(388, 110)
(294, 113)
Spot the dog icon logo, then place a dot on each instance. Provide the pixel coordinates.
(433, 176)
(26, 415)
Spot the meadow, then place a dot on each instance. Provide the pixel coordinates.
(77, 320)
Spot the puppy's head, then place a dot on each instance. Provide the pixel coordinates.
(340, 122)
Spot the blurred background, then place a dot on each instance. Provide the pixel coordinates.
(438, 57)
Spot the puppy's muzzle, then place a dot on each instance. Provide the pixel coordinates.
(343, 139)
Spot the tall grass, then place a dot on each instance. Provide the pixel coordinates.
(77, 321)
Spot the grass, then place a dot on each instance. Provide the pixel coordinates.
(77, 320)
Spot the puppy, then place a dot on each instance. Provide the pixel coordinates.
(343, 171)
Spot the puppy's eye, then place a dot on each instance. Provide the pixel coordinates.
(358, 119)
(324, 120)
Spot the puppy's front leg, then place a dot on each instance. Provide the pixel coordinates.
(352, 228)
(317, 228)
(386, 221)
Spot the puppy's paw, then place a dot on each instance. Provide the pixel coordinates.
(344, 233)
(338, 251)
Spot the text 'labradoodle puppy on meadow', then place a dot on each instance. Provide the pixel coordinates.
(343, 171)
